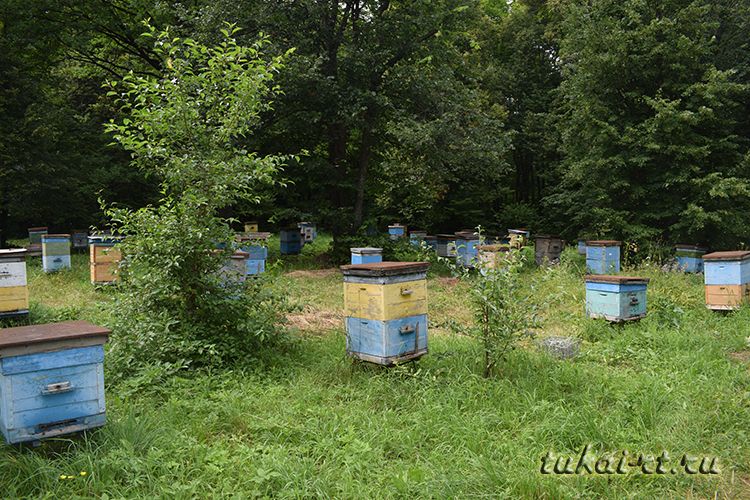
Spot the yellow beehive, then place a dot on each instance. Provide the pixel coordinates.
(386, 301)
(104, 259)
(14, 292)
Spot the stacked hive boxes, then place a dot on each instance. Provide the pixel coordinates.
(602, 256)
(104, 259)
(51, 380)
(547, 249)
(253, 244)
(466, 248)
(35, 241)
(690, 258)
(386, 309)
(518, 237)
(14, 291)
(367, 255)
(307, 232)
(55, 252)
(727, 278)
(396, 231)
(235, 269)
(616, 298)
(291, 242)
(491, 256)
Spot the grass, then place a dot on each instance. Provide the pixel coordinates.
(309, 422)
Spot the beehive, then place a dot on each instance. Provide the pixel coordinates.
(51, 380)
(518, 237)
(431, 242)
(491, 256)
(616, 298)
(417, 237)
(386, 308)
(34, 249)
(466, 248)
(396, 231)
(254, 245)
(581, 247)
(547, 249)
(690, 258)
(80, 239)
(366, 255)
(602, 256)
(235, 268)
(251, 227)
(14, 290)
(291, 242)
(727, 279)
(55, 252)
(446, 245)
(307, 232)
(104, 259)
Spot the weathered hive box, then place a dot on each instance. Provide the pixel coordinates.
(51, 380)
(254, 245)
(491, 256)
(518, 237)
(307, 232)
(727, 279)
(616, 298)
(417, 237)
(690, 258)
(80, 238)
(251, 227)
(602, 256)
(291, 242)
(547, 249)
(466, 248)
(55, 252)
(386, 309)
(34, 249)
(104, 259)
(396, 231)
(581, 247)
(446, 245)
(431, 242)
(14, 291)
(366, 255)
(235, 269)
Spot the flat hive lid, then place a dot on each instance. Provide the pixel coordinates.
(618, 280)
(367, 250)
(446, 236)
(690, 247)
(50, 332)
(12, 252)
(256, 235)
(430, 237)
(494, 248)
(41, 228)
(603, 243)
(48, 236)
(731, 255)
(240, 255)
(547, 237)
(465, 235)
(385, 268)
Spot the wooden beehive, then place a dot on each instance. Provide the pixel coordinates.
(616, 298)
(51, 380)
(602, 256)
(727, 279)
(431, 242)
(491, 256)
(386, 309)
(251, 227)
(307, 231)
(446, 245)
(547, 249)
(14, 290)
(466, 248)
(396, 231)
(366, 255)
(254, 245)
(690, 257)
(291, 242)
(104, 259)
(55, 252)
(235, 268)
(417, 237)
(518, 237)
(80, 239)
(34, 248)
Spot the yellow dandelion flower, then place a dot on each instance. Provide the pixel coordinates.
(83, 472)
(63, 476)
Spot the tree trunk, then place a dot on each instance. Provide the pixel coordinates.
(363, 163)
(3, 215)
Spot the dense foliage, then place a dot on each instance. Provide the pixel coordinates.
(617, 118)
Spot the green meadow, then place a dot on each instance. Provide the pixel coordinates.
(307, 421)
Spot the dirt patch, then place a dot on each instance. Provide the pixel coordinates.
(311, 319)
(741, 356)
(448, 282)
(314, 273)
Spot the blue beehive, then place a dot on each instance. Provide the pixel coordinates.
(396, 231)
(602, 256)
(254, 245)
(616, 298)
(51, 380)
(417, 237)
(307, 231)
(727, 279)
(431, 242)
(466, 248)
(690, 258)
(291, 242)
(386, 309)
(581, 247)
(55, 252)
(366, 255)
